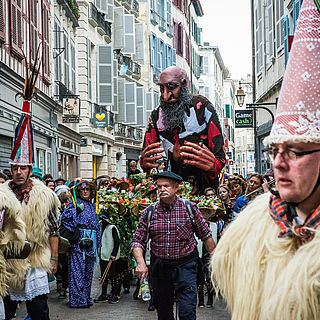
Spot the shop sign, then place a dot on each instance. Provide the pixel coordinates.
(244, 118)
(97, 149)
(83, 142)
(100, 120)
(71, 110)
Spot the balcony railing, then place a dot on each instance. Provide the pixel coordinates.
(135, 8)
(128, 61)
(101, 24)
(93, 15)
(127, 4)
(120, 130)
(136, 70)
(154, 17)
(108, 29)
(155, 75)
(169, 30)
(128, 132)
(162, 24)
(72, 10)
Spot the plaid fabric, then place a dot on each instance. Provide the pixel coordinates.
(278, 211)
(171, 231)
(53, 223)
(21, 194)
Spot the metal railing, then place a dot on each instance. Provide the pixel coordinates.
(127, 4)
(137, 69)
(169, 30)
(135, 8)
(154, 17)
(93, 15)
(162, 24)
(125, 131)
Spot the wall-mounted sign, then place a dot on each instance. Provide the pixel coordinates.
(97, 149)
(244, 118)
(71, 110)
(83, 142)
(100, 120)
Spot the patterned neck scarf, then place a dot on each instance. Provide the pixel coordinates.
(21, 194)
(281, 213)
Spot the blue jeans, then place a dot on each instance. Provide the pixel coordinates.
(176, 282)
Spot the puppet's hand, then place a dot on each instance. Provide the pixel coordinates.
(150, 155)
(197, 155)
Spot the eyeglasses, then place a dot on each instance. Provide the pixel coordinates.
(170, 86)
(290, 154)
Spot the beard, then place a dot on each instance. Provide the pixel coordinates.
(174, 113)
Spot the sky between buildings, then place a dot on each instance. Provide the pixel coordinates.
(227, 24)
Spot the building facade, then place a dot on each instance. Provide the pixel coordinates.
(273, 29)
(24, 28)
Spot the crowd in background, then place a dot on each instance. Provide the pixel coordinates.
(78, 213)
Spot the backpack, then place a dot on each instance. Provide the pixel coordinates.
(151, 210)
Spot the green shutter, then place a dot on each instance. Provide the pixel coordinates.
(227, 110)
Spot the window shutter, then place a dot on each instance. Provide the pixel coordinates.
(158, 7)
(169, 20)
(296, 10)
(104, 6)
(89, 70)
(118, 28)
(151, 50)
(270, 37)
(155, 101)
(105, 75)
(130, 98)
(155, 51)
(98, 4)
(206, 92)
(121, 117)
(66, 71)
(114, 108)
(152, 4)
(159, 54)
(16, 26)
(227, 110)
(33, 30)
(109, 14)
(2, 24)
(206, 65)
(286, 39)
(73, 66)
(174, 57)
(139, 33)
(129, 34)
(45, 39)
(279, 23)
(141, 106)
(175, 35)
(149, 106)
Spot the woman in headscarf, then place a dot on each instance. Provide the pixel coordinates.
(80, 215)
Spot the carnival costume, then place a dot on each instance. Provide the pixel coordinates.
(267, 263)
(81, 260)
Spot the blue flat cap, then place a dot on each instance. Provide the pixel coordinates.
(168, 175)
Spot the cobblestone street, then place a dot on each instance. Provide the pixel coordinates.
(126, 309)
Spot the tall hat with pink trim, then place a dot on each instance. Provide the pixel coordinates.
(298, 114)
(23, 149)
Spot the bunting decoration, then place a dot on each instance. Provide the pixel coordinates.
(317, 2)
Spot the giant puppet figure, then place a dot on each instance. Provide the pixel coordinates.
(267, 263)
(187, 128)
(37, 206)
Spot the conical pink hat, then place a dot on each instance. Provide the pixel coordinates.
(298, 114)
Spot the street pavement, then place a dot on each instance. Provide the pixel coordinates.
(126, 309)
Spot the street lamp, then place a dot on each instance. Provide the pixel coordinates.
(240, 95)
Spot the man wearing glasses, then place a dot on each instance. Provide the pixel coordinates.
(186, 127)
(267, 264)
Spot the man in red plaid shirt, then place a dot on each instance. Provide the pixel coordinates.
(174, 252)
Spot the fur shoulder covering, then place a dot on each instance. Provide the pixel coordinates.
(265, 277)
(12, 234)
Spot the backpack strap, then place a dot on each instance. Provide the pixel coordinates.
(190, 211)
(150, 212)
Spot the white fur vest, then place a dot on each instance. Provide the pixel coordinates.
(35, 216)
(12, 233)
(265, 277)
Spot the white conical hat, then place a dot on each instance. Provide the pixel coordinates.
(298, 114)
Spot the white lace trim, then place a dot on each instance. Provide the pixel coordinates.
(36, 285)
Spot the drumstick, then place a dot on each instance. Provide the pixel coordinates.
(105, 272)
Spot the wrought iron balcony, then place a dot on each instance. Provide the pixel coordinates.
(101, 24)
(93, 15)
(155, 75)
(72, 10)
(136, 71)
(128, 61)
(162, 24)
(120, 130)
(125, 131)
(127, 4)
(139, 134)
(169, 30)
(135, 8)
(108, 26)
(154, 17)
